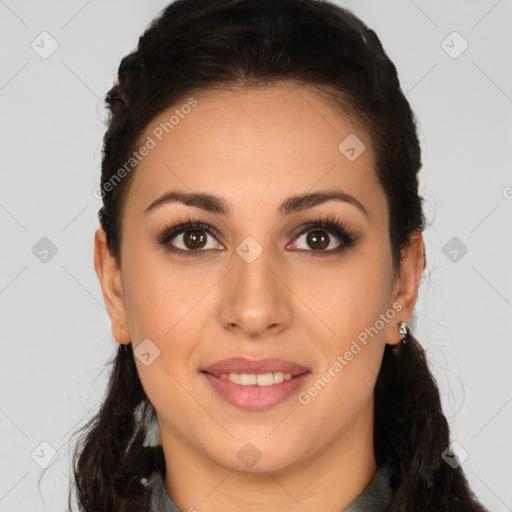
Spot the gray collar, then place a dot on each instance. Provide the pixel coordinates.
(374, 498)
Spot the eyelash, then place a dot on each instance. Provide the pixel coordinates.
(330, 223)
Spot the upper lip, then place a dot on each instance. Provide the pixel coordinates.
(255, 366)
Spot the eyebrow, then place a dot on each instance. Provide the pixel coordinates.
(218, 205)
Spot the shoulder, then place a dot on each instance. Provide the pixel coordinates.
(376, 496)
(160, 500)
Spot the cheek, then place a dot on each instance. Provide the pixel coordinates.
(353, 302)
(349, 364)
(347, 298)
(159, 296)
(160, 306)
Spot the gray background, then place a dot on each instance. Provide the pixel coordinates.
(55, 333)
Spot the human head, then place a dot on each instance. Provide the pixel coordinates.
(155, 83)
(197, 48)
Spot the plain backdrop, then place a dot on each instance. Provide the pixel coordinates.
(58, 60)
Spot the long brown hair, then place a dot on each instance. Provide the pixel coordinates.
(197, 45)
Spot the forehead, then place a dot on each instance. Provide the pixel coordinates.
(254, 144)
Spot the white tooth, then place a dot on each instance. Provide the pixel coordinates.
(234, 377)
(248, 379)
(265, 379)
(278, 377)
(251, 379)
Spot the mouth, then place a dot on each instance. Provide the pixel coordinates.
(248, 368)
(256, 392)
(262, 379)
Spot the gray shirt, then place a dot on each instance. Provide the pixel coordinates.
(375, 497)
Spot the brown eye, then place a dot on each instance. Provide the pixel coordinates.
(318, 240)
(317, 237)
(194, 239)
(195, 236)
(189, 238)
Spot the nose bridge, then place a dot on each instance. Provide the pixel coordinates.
(254, 298)
(252, 272)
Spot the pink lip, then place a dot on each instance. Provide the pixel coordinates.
(244, 365)
(256, 398)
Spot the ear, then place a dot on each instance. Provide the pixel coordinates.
(109, 275)
(407, 281)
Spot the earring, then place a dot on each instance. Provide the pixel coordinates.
(403, 329)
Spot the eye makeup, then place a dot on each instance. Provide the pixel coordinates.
(330, 224)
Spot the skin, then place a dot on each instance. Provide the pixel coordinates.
(255, 148)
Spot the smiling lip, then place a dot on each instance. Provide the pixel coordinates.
(254, 397)
(243, 365)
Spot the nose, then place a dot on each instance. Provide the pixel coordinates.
(255, 298)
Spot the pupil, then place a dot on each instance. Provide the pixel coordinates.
(320, 241)
(193, 237)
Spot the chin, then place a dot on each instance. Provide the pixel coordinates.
(252, 457)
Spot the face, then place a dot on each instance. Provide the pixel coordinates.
(256, 278)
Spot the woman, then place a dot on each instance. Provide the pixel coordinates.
(259, 255)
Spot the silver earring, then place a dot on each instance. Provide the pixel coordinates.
(403, 329)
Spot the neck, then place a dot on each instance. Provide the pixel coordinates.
(325, 481)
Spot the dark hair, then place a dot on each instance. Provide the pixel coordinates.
(203, 45)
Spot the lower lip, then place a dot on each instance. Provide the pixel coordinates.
(256, 398)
